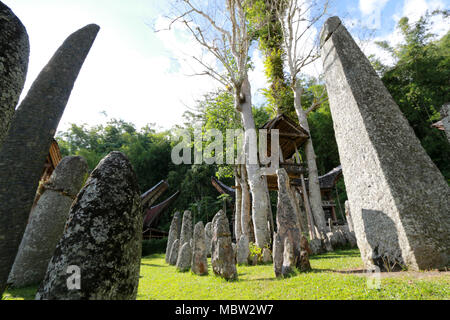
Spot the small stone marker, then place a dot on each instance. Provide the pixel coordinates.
(243, 250)
(174, 252)
(184, 258)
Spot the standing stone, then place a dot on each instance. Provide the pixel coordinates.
(26, 145)
(199, 257)
(103, 238)
(208, 239)
(186, 230)
(278, 251)
(400, 201)
(222, 260)
(266, 256)
(14, 54)
(288, 225)
(184, 258)
(243, 250)
(316, 246)
(348, 216)
(289, 260)
(47, 222)
(174, 252)
(174, 234)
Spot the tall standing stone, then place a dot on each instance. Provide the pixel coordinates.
(400, 201)
(14, 54)
(174, 252)
(208, 239)
(184, 258)
(348, 216)
(186, 230)
(278, 252)
(199, 263)
(174, 234)
(102, 239)
(243, 250)
(222, 259)
(288, 225)
(47, 222)
(26, 145)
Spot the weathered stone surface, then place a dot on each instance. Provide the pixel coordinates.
(103, 238)
(199, 257)
(14, 54)
(25, 146)
(289, 260)
(304, 255)
(223, 260)
(186, 230)
(348, 216)
(266, 256)
(184, 258)
(174, 252)
(316, 246)
(208, 239)
(278, 251)
(234, 246)
(174, 234)
(47, 222)
(288, 226)
(400, 202)
(243, 250)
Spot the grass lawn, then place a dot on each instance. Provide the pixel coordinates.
(336, 275)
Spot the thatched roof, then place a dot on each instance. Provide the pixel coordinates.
(328, 181)
(292, 135)
(152, 214)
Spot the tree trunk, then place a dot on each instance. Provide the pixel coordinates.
(313, 176)
(257, 183)
(246, 217)
(238, 204)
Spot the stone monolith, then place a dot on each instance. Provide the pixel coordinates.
(174, 234)
(184, 258)
(174, 252)
(243, 250)
(400, 202)
(26, 145)
(199, 263)
(186, 230)
(208, 239)
(47, 222)
(222, 259)
(102, 241)
(278, 251)
(14, 54)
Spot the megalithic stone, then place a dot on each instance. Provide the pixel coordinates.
(102, 242)
(223, 258)
(174, 252)
(47, 222)
(199, 263)
(208, 239)
(14, 54)
(174, 234)
(26, 145)
(400, 201)
(186, 230)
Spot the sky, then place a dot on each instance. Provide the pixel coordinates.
(145, 77)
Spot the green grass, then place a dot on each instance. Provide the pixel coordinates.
(330, 279)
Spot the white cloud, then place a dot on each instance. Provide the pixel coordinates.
(368, 7)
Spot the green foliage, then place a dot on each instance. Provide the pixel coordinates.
(153, 246)
(419, 84)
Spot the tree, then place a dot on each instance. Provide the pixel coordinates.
(418, 82)
(297, 18)
(228, 39)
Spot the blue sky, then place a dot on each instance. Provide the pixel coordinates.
(141, 76)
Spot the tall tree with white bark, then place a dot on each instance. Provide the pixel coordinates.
(224, 33)
(299, 24)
